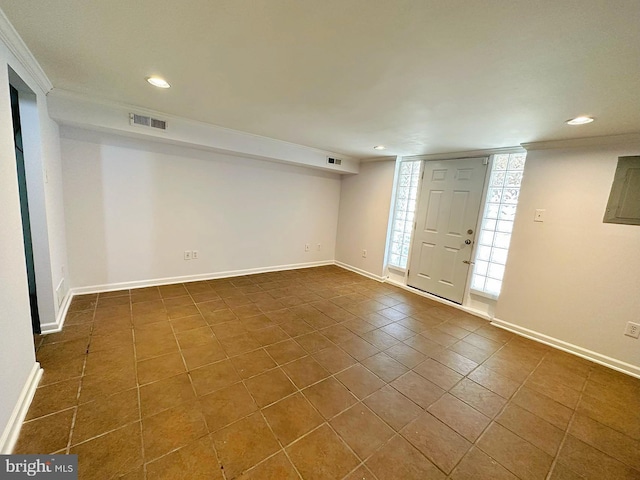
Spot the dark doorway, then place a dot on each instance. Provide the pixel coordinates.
(24, 210)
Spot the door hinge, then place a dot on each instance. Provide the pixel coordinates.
(422, 175)
(408, 272)
(468, 262)
(415, 224)
(485, 161)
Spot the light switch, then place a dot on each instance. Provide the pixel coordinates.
(539, 216)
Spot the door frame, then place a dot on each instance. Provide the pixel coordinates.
(483, 200)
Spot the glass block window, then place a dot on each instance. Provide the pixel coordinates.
(497, 223)
(404, 213)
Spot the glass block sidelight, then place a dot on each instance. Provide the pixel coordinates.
(403, 214)
(497, 223)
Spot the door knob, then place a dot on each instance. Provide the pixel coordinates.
(467, 241)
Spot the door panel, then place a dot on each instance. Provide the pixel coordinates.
(448, 209)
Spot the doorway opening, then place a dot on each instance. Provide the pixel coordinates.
(24, 210)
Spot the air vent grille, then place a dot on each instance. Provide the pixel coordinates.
(146, 121)
(334, 161)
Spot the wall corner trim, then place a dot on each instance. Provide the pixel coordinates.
(57, 325)
(12, 429)
(595, 357)
(10, 37)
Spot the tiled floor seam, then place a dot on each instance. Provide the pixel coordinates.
(493, 421)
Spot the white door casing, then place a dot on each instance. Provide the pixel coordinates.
(446, 219)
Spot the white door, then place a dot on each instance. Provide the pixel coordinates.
(446, 220)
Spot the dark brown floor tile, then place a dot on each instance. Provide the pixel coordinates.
(270, 387)
(157, 368)
(154, 347)
(226, 405)
(201, 355)
(45, 434)
(291, 418)
(360, 473)
(397, 331)
(245, 443)
(277, 467)
(329, 397)
(592, 463)
(334, 359)
(270, 335)
(464, 419)
(607, 440)
(188, 323)
(359, 349)
(437, 373)
(108, 342)
(562, 472)
(438, 336)
(53, 398)
(171, 291)
(406, 355)
(296, 327)
(495, 382)
(229, 329)
(424, 345)
(611, 414)
(470, 351)
(105, 414)
(214, 315)
(393, 407)
(213, 377)
(195, 337)
(98, 386)
(338, 334)
(544, 407)
(322, 455)
(552, 387)
(252, 363)
(70, 332)
(172, 429)
(239, 344)
(360, 381)
(385, 367)
(398, 459)
(110, 455)
(477, 465)
(167, 393)
(455, 361)
(362, 430)
(519, 456)
(196, 460)
(305, 371)
(532, 428)
(417, 389)
(478, 397)
(380, 339)
(285, 352)
(439, 443)
(313, 342)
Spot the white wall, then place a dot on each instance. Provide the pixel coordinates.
(363, 222)
(16, 342)
(573, 277)
(133, 207)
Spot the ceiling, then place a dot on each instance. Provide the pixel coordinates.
(419, 76)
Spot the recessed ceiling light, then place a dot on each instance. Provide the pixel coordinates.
(580, 120)
(379, 147)
(158, 82)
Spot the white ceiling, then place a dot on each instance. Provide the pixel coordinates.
(420, 76)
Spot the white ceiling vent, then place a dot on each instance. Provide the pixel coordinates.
(334, 161)
(145, 121)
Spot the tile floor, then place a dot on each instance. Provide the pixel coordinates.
(319, 374)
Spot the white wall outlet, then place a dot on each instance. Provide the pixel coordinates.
(364, 254)
(539, 215)
(194, 255)
(319, 246)
(632, 330)
(306, 247)
(187, 254)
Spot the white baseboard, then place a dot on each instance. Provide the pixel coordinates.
(12, 429)
(193, 278)
(360, 271)
(471, 311)
(56, 326)
(618, 365)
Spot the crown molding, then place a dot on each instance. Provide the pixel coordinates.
(602, 141)
(464, 154)
(10, 37)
